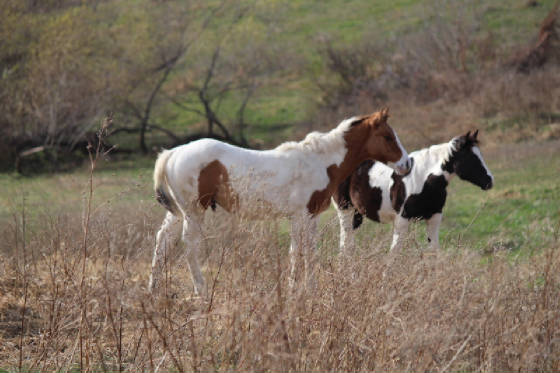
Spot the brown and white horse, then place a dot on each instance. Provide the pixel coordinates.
(376, 191)
(295, 180)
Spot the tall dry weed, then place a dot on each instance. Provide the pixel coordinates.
(433, 310)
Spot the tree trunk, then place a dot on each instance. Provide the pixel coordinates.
(143, 126)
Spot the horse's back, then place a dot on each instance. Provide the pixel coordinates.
(204, 148)
(197, 154)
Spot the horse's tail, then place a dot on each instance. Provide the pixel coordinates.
(163, 194)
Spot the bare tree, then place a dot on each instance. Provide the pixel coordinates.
(208, 96)
(178, 30)
(225, 73)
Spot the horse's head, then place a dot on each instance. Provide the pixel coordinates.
(468, 163)
(383, 144)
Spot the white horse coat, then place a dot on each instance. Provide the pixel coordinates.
(294, 180)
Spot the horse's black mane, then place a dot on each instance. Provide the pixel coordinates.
(464, 142)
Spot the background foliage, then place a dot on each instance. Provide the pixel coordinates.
(256, 72)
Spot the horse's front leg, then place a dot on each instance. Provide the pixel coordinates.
(167, 238)
(193, 239)
(432, 227)
(345, 219)
(400, 229)
(310, 248)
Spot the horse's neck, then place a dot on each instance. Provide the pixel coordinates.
(433, 159)
(340, 150)
(354, 140)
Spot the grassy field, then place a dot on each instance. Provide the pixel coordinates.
(487, 301)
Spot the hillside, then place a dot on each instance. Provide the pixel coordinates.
(259, 72)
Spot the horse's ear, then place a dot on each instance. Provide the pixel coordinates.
(384, 115)
(379, 117)
(461, 141)
(475, 135)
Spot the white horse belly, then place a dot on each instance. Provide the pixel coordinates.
(270, 187)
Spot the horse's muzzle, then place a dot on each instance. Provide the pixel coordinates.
(487, 186)
(405, 167)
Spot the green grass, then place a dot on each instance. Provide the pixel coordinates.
(116, 183)
(520, 214)
(271, 115)
(514, 19)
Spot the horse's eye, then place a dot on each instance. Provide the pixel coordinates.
(389, 138)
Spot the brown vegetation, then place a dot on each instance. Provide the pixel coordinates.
(431, 311)
(447, 78)
(545, 48)
(73, 296)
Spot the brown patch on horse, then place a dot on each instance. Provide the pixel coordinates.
(366, 200)
(320, 199)
(213, 187)
(365, 139)
(355, 138)
(342, 195)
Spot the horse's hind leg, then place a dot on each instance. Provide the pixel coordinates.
(303, 249)
(193, 239)
(167, 237)
(400, 229)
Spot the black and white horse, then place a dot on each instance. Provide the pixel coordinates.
(382, 195)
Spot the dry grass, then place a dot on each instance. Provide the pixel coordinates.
(73, 298)
(444, 311)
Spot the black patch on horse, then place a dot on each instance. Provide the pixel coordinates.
(357, 220)
(429, 201)
(462, 145)
(397, 192)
